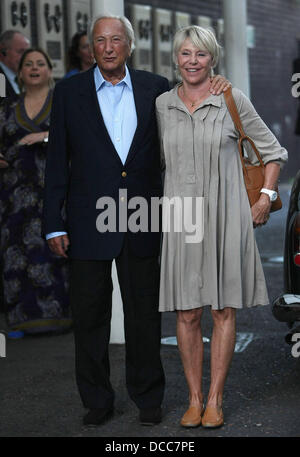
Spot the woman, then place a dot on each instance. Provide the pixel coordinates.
(223, 270)
(34, 280)
(80, 57)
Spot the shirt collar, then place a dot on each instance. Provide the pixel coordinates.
(9, 73)
(100, 81)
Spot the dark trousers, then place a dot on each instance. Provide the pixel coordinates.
(91, 300)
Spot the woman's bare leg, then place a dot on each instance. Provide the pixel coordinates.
(222, 349)
(190, 344)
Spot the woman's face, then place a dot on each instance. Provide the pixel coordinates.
(84, 51)
(35, 70)
(194, 64)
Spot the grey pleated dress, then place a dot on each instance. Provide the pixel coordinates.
(201, 160)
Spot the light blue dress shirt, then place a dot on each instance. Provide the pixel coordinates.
(11, 76)
(118, 110)
(119, 114)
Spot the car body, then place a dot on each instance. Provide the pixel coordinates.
(286, 307)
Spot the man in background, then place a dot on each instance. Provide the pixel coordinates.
(13, 44)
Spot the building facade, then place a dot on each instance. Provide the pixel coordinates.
(273, 45)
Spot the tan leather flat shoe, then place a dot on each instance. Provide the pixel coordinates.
(192, 417)
(213, 417)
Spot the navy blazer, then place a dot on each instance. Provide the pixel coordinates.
(83, 165)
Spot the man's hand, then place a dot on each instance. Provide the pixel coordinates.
(219, 84)
(261, 211)
(59, 245)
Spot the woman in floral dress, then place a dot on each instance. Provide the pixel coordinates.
(35, 281)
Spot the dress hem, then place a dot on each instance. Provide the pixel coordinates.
(214, 307)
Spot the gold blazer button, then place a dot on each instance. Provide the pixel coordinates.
(124, 174)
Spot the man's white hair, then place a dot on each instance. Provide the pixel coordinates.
(129, 32)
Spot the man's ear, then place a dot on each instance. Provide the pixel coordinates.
(130, 49)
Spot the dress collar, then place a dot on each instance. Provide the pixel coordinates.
(176, 102)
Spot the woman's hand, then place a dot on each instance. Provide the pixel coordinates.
(261, 211)
(3, 163)
(219, 84)
(33, 138)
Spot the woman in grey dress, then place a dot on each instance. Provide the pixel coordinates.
(219, 265)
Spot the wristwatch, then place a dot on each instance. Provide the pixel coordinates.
(272, 193)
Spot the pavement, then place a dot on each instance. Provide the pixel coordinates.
(39, 398)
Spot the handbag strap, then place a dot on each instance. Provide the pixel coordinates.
(232, 108)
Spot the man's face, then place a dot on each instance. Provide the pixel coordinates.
(15, 50)
(111, 47)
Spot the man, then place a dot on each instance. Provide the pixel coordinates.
(13, 44)
(103, 138)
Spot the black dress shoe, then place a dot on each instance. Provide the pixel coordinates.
(150, 416)
(97, 416)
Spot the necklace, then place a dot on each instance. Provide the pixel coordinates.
(193, 103)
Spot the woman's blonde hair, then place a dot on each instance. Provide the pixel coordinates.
(202, 38)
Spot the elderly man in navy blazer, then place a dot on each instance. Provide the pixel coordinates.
(103, 138)
(103, 143)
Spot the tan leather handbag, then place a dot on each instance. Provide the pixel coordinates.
(254, 175)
